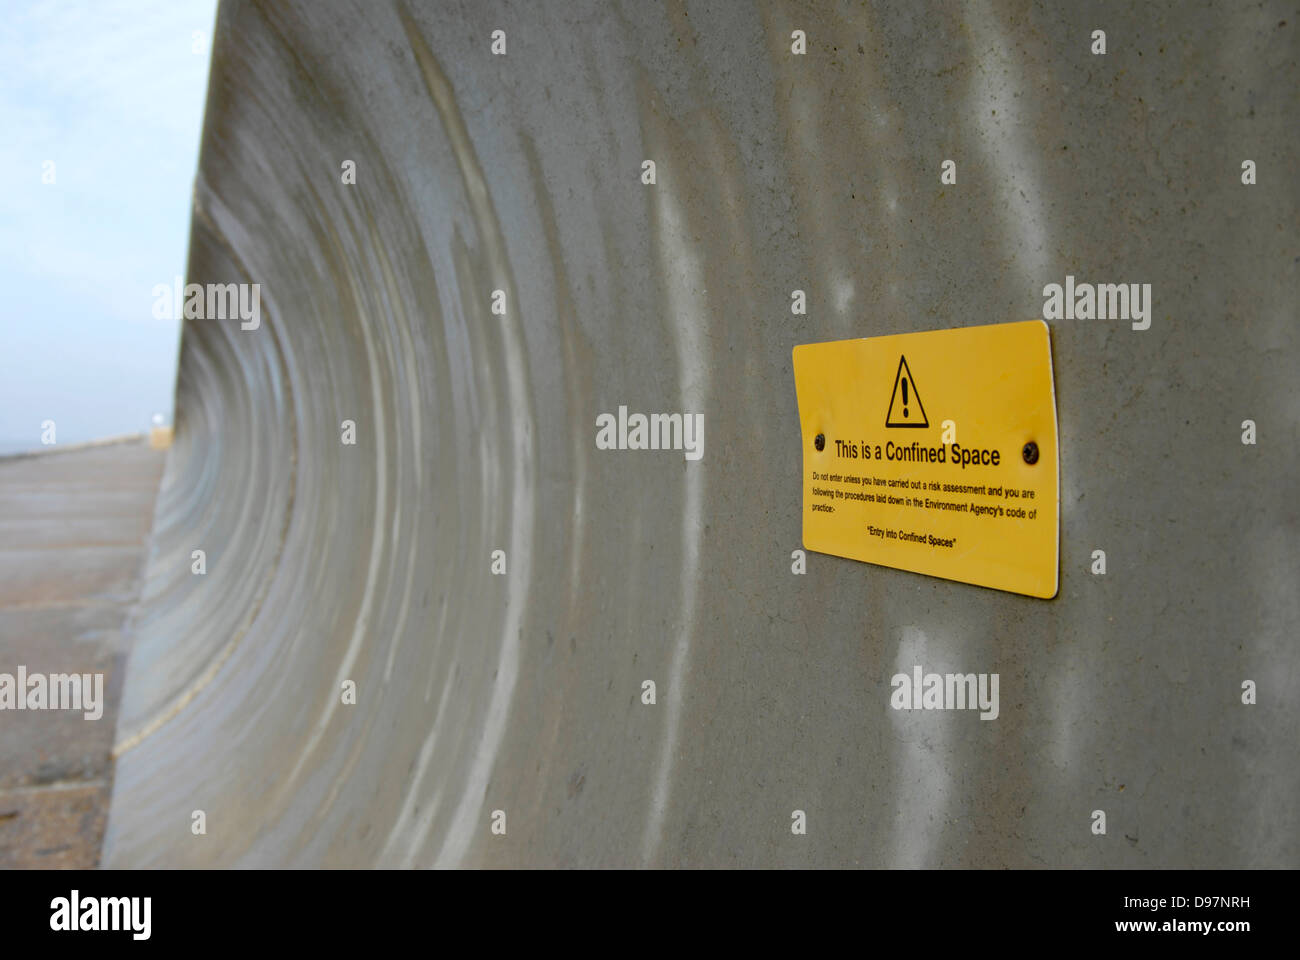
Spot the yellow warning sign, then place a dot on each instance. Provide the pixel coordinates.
(962, 484)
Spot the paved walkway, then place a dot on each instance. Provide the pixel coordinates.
(74, 529)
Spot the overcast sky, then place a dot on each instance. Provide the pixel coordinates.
(113, 94)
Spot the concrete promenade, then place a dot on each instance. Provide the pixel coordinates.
(74, 529)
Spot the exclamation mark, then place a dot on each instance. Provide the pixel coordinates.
(905, 396)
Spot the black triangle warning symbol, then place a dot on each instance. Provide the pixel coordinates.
(905, 408)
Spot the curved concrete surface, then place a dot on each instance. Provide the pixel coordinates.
(521, 692)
